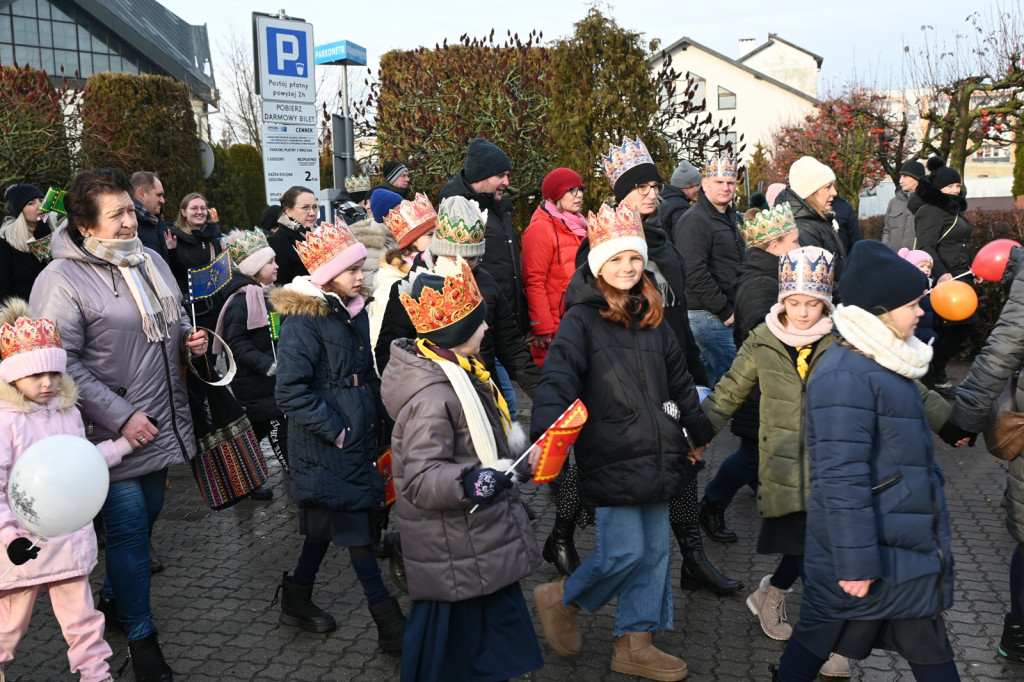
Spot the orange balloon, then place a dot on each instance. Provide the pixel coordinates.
(954, 300)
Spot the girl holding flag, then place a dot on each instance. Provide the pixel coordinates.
(614, 353)
(450, 452)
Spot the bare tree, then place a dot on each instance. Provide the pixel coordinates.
(242, 109)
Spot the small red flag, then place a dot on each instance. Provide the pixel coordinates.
(384, 466)
(554, 444)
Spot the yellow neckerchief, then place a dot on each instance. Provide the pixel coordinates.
(803, 352)
(475, 368)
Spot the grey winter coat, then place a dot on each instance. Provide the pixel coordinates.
(453, 555)
(898, 230)
(1002, 355)
(118, 372)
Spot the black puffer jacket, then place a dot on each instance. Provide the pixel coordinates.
(503, 254)
(942, 230)
(711, 244)
(253, 386)
(672, 206)
(815, 230)
(630, 451)
(502, 340)
(289, 265)
(195, 250)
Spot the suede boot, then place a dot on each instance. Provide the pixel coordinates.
(558, 620)
(298, 609)
(635, 655)
(768, 603)
(1011, 646)
(697, 570)
(559, 549)
(390, 624)
(148, 662)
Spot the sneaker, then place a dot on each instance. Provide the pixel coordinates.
(768, 603)
(836, 666)
(1011, 646)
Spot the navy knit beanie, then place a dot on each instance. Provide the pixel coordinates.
(877, 280)
(381, 203)
(483, 159)
(19, 195)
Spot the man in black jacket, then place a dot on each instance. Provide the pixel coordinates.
(149, 200)
(708, 236)
(678, 193)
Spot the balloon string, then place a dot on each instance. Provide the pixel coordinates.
(964, 274)
(8, 571)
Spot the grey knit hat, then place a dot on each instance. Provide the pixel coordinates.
(685, 176)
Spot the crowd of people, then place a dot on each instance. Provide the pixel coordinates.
(406, 325)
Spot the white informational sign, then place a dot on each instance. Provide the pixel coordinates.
(286, 60)
(289, 114)
(290, 157)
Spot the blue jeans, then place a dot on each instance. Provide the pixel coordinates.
(737, 470)
(630, 561)
(129, 513)
(508, 391)
(715, 340)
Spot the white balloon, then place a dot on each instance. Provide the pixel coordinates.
(58, 485)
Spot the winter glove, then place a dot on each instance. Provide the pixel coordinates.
(483, 485)
(950, 433)
(273, 370)
(21, 550)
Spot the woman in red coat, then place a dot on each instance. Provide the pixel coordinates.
(549, 255)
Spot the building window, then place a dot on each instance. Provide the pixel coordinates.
(726, 99)
(727, 141)
(699, 94)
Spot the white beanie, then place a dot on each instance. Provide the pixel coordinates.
(807, 175)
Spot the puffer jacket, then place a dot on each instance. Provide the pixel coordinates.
(117, 370)
(713, 249)
(943, 230)
(877, 509)
(898, 226)
(374, 237)
(1002, 355)
(630, 451)
(816, 231)
(326, 386)
(502, 253)
(671, 206)
(195, 249)
(23, 423)
(763, 360)
(549, 261)
(282, 241)
(252, 386)
(450, 555)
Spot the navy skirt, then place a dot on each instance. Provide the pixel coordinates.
(919, 640)
(344, 529)
(484, 639)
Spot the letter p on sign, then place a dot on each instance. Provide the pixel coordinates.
(286, 52)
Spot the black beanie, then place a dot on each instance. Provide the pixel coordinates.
(637, 175)
(944, 176)
(19, 195)
(483, 160)
(457, 333)
(268, 220)
(877, 280)
(914, 169)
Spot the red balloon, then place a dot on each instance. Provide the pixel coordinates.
(990, 263)
(954, 300)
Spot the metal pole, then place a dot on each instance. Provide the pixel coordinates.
(350, 157)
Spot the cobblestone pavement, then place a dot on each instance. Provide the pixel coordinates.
(213, 602)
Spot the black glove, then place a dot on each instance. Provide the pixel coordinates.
(950, 433)
(21, 550)
(483, 485)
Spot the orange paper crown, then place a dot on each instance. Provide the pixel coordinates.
(610, 223)
(410, 219)
(324, 243)
(458, 297)
(27, 335)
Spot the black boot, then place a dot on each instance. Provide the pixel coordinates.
(559, 548)
(697, 570)
(148, 661)
(390, 624)
(112, 621)
(155, 565)
(298, 609)
(1011, 646)
(396, 561)
(712, 520)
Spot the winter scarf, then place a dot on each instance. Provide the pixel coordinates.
(667, 262)
(790, 335)
(872, 337)
(574, 221)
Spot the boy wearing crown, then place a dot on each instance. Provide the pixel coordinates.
(451, 449)
(328, 389)
(37, 400)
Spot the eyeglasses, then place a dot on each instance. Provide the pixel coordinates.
(576, 191)
(310, 208)
(646, 188)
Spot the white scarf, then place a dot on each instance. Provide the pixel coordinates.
(870, 335)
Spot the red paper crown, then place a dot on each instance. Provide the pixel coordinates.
(324, 243)
(458, 297)
(610, 223)
(408, 217)
(27, 335)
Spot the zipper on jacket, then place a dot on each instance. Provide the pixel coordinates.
(174, 411)
(643, 387)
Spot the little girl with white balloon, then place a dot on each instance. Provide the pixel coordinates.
(48, 493)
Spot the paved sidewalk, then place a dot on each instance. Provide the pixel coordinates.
(212, 603)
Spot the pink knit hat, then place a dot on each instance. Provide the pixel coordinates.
(915, 257)
(772, 192)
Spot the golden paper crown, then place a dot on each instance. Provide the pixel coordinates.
(808, 270)
(769, 224)
(621, 159)
(357, 183)
(409, 218)
(324, 243)
(27, 335)
(245, 244)
(721, 165)
(610, 223)
(460, 228)
(437, 308)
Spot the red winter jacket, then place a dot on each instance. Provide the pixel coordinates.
(549, 261)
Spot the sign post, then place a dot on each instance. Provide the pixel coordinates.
(344, 54)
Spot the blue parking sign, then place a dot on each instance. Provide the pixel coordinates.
(286, 52)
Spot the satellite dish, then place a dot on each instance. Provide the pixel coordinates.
(206, 159)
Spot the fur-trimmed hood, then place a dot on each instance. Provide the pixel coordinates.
(930, 194)
(300, 298)
(14, 400)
